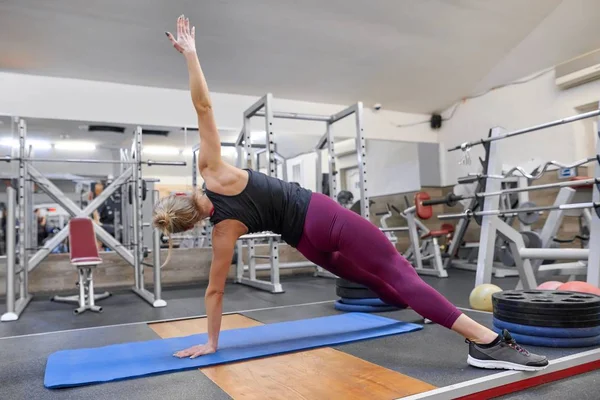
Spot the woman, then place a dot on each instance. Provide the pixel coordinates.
(242, 201)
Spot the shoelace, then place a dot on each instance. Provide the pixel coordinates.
(514, 345)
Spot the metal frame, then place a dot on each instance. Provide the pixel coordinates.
(14, 306)
(361, 154)
(28, 175)
(593, 270)
(490, 208)
(247, 158)
(466, 146)
(427, 250)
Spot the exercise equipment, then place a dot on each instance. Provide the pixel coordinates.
(69, 368)
(547, 331)
(84, 255)
(130, 194)
(481, 296)
(363, 302)
(528, 217)
(581, 287)
(29, 175)
(545, 308)
(554, 342)
(523, 211)
(468, 145)
(549, 285)
(549, 321)
(342, 306)
(383, 217)
(492, 167)
(357, 293)
(345, 198)
(534, 301)
(424, 252)
(346, 284)
(451, 199)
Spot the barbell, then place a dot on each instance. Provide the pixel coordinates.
(467, 146)
(93, 161)
(451, 199)
(574, 206)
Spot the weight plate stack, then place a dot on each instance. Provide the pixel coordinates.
(537, 315)
(355, 297)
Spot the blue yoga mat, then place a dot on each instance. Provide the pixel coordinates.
(79, 367)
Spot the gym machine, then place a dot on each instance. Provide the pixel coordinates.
(424, 252)
(20, 207)
(491, 225)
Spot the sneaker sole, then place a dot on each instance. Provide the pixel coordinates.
(495, 364)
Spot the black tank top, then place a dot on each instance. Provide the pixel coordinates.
(265, 204)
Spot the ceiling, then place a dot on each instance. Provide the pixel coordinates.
(412, 56)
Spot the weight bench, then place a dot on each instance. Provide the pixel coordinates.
(424, 244)
(84, 255)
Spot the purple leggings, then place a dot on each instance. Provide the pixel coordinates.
(352, 248)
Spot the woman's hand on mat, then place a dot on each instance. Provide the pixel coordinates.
(196, 351)
(186, 38)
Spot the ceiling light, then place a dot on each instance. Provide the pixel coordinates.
(36, 144)
(75, 146)
(160, 150)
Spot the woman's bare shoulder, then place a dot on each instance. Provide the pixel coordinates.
(226, 180)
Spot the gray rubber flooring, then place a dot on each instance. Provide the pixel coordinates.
(22, 359)
(23, 362)
(415, 354)
(43, 315)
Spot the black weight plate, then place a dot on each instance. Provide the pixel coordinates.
(545, 299)
(355, 293)
(533, 310)
(524, 320)
(343, 283)
(549, 317)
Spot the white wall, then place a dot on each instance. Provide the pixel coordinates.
(74, 99)
(516, 107)
(308, 168)
(392, 167)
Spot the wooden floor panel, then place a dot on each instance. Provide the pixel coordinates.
(323, 373)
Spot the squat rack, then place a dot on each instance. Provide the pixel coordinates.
(492, 225)
(247, 159)
(19, 209)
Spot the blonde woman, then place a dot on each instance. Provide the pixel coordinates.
(243, 201)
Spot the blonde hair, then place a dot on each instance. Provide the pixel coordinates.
(174, 214)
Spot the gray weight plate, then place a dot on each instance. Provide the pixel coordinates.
(505, 255)
(532, 239)
(528, 218)
(343, 283)
(355, 293)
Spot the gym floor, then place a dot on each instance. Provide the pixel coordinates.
(46, 327)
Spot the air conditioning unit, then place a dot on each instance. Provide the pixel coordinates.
(578, 71)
